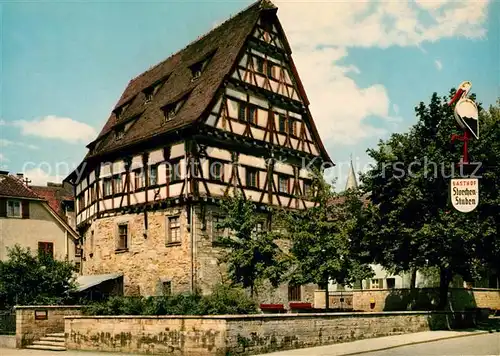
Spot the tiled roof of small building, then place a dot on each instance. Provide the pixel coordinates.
(13, 186)
(55, 194)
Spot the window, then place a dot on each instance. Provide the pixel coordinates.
(153, 175)
(283, 184)
(242, 112)
(376, 283)
(122, 237)
(120, 132)
(252, 179)
(175, 172)
(78, 267)
(282, 123)
(216, 170)
(259, 227)
(78, 250)
(139, 179)
(196, 70)
(307, 188)
(46, 248)
(216, 229)
(260, 64)
(294, 293)
(150, 92)
(166, 288)
(81, 202)
(174, 229)
(91, 253)
(270, 69)
(117, 184)
(107, 187)
(391, 283)
(247, 113)
(252, 115)
(292, 127)
(149, 95)
(92, 193)
(14, 208)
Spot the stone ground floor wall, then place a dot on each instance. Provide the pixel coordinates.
(245, 334)
(400, 299)
(34, 322)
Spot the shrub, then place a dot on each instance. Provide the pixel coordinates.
(223, 300)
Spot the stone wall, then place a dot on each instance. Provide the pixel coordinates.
(8, 341)
(150, 260)
(377, 300)
(246, 334)
(49, 319)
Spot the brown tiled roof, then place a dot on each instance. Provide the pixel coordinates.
(223, 43)
(55, 194)
(12, 186)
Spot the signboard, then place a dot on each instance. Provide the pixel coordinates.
(464, 194)
(41, 315)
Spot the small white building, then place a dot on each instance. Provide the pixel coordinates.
(28, 220)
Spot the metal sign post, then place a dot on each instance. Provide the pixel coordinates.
(464, 191)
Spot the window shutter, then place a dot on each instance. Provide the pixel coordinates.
(3, 208)
(25, 205)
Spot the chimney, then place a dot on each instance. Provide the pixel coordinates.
(4, 173)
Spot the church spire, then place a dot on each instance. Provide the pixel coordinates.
(352, 182)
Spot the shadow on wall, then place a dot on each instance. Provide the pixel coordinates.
(428, 299)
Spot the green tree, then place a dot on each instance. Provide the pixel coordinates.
(324, 237)
(249, 250)
(411, 223)
(28, 279)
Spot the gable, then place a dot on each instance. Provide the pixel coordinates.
(266, 100)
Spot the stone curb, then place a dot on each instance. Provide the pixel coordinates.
(415, 343)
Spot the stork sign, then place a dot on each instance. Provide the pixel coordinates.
(464, 194)
(466, 112)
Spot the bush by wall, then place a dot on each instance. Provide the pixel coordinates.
(223, 300)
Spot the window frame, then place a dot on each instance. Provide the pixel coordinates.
(248, 172)
(211, 174)
(46, 247)
(139, 177)
(120, 239)
(107, 182)
(10, 214)
(175, 174)
(151, 168)
(171, 240)
(287, 180)
(117, 178)
(282, 124)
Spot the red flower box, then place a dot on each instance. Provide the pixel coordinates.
(272, 307)
(300, 306)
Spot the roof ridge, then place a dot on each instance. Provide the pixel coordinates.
(258, 2)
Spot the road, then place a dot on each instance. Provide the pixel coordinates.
(486, 344)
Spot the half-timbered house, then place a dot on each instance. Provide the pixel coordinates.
(228, 112)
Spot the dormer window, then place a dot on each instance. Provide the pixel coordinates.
(120, 110)
(120, 132)
(199, 67)
(151, 91)
(170, 112)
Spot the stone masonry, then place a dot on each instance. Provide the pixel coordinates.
(151, 260)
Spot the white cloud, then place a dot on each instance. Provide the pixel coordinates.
(3, 158)
(321, 33)
(55, 127)
(438, 64)
(395, 108)
(6, 143)
(38, 176)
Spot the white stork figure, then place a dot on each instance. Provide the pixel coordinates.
(466, 112)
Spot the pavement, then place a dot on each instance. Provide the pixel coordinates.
(368, 347)
(379, 343)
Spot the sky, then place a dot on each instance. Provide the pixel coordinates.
(365, 65)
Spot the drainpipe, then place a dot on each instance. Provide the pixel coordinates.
(66, 243)
(193, 248)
